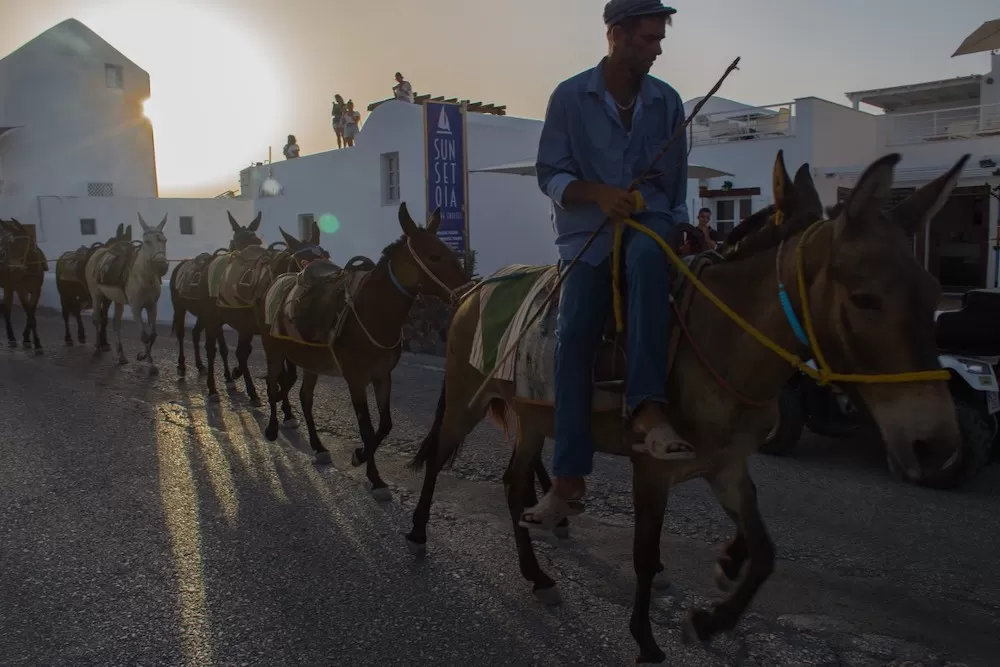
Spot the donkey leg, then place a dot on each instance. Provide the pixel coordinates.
(518, 481)
(285, 383)
(24, 298)
(31, 310)
(7, 305)
(212, 334)
(178, 330)
(119, 314)
(101, 320)
(275, 361)
(81, 332)
(306, 398)
(383, 395)
(151, 338)
(64, 305)
(736, 492)
(243, 349)
(649, 494)
(227, 375)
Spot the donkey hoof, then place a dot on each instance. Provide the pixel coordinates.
(26, 345)
(562, 532)
(105, 347)
(416, 549)
(291, 423)
(231, 383)
(321, 457)
(181, 372)
(122, 361)
(382, 494)
(548, 596)
(39, 352)
(153, 371)
(141, 356)
(271, 433)
(358, 457)
(69, 342)
(212, 398)
(660, 581)
(694, 627)
(12, 344)
(658, 657)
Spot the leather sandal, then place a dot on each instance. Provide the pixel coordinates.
(663, 443)
(550, 511)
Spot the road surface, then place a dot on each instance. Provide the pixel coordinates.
(140, 527)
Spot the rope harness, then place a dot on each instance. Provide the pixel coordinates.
(823, 374)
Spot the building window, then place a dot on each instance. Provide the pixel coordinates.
(729, 213)
(305, 225)
(390, 179)
(88, 227)
(187, 224)
(114, 76)
(100, 190)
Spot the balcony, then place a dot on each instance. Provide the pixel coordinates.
(982, 120)
(744, 124)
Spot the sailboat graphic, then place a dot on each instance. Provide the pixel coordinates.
(444, 125)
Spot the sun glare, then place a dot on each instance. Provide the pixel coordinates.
(214, 101)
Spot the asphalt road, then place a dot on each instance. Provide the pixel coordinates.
(138, 527)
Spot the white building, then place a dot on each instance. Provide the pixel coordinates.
(77, 155)
(930, 124)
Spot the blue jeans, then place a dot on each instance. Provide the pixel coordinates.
(584, 306)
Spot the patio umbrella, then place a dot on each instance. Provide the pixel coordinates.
(985, 38)
(527, 168)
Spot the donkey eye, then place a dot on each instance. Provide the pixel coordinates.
(866, 301)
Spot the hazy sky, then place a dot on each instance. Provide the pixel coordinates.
(230, 77)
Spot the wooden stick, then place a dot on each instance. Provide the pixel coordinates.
(679, 132)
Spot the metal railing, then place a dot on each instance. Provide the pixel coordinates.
(766, 122)
(969, 122)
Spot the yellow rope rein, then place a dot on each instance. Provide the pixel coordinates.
(823, 375)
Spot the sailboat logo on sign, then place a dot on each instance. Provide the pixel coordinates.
(444, 125)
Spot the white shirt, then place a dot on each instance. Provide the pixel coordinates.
(403, 91)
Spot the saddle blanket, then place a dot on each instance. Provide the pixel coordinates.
(238, 279)
(290, 306)
(71, 265)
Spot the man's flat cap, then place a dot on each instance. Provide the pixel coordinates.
(617, 11)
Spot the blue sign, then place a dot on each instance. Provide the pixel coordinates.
(447, 175)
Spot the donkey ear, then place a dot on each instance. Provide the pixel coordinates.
(314, 233)
(255, 225)
(120, 231)
(142, 223)
(232, 222)
(293, 243)
(805, 191)
(405, 221)
(163, 223)
(869, 196)
(128, 233)
(781, 185)
(435, 221)
(917, 210)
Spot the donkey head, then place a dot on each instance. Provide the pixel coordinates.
(154, 245)
(422, 262)
(873, 305)
(306, 250)
(16, 244)
(244, 237)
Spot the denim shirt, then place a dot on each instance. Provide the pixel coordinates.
(583, 138)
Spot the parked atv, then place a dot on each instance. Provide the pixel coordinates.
(969, 342)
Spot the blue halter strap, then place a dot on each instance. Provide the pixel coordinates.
(395, 281)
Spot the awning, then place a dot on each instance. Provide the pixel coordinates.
(527, 168)
(985, 38)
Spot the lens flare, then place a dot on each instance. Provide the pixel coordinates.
(328, 223)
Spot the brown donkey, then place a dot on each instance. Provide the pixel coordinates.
(189, 294)
(348, 323)
(22, 272)
(71, 283)
(877, 317)
(238, 282)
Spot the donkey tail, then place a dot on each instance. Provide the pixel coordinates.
(429, 447)
(178, 315)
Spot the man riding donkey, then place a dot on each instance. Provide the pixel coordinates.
(602, 128)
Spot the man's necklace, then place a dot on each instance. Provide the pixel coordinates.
(625, 107)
